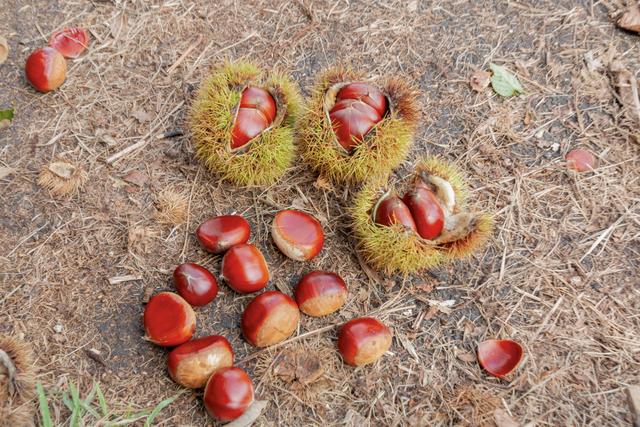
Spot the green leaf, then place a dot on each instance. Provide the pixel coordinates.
(159, 408)
(503, 82)
(44, 407)
(6, 114)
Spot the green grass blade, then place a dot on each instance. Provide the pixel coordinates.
(44, 407)
(77, 412)
(159, 408)
(102, 401)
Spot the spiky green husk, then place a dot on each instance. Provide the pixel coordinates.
(267, 157)
(393, 249)
(384, 147)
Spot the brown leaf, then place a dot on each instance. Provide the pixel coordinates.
(135, 177)
(480, 80)
(503, 419)
(630, 20)
(4, 49)
(298, 366)
(142, 116)
(627, 87)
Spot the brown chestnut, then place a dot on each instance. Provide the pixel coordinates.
(297, 234)
(320, 293)
(46, 69)
(256, 112)
(219, 233)
(195, 283)
(169, 320)
(270, 318)
(426, 211)
(192, 363)
(390, 210)
(363, 340)
(499, 357)
(245, 269)
(228, 394)
(580, 160)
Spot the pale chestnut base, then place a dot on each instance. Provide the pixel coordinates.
(278, 326)
(323, 305)
(286, 247)
(194, 370)
(372, 349)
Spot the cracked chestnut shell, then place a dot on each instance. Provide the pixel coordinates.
(70, 42)
(270, 318)
(256, 112)
(426, 211)
(219, 233)
(46, 69)
(359, 106)
(245, 269)
(297, 234)
(228, 394)
(363, 340)
(169, 320)
(320, 293)
(192, 363)
(499, 357)
(195, 283)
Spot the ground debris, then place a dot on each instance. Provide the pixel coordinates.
(630, 20)
(480, 80)
(298, 366)
(627, 86)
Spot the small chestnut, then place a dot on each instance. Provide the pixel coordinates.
(580, 160)
(390, 210)
(256, 112)
(245, 269)
(426, 211)
(70, 42)
(499, 357)
(297, 234)
(320, 293)
(220, 233)
(195, 283)
(192, 363)
(228, 394)
(363, 340)
(270, 318)
(169, 320)
(46, 69)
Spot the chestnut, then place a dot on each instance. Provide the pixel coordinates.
(358, 107)
(320, 293)
(228, 394)
(363, 340)
(256, 112)
(270, 318)
(220, 233)
(390, 210)
(245, 269)
(297, 234)
(426, 211)
(580, 160)
(46, 69)
(499, 357)
(70, 42)
(192, 363)
(195, 283)
(169, 320)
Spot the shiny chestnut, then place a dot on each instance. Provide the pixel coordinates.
(426, 211)
(320, 293)
(245, 269)
(390, 210)
(195, 283)
(298, 235)
(363, 340)
(46, 69)
(270, 318)
(169, 320)
(580, 160)
(219, 233)
(359, 106)
(192, 363)
(228, 394)
(499, 357)
(256, 112)
(70, 42)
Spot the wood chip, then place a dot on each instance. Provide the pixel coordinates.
(95, 355)
(630, 20)
(250, 415)
(633, 395)
(121, 279)
(4, 49)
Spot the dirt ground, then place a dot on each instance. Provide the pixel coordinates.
(561, 272)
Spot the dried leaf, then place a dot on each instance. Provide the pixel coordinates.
(296, 366)
(4, 49)
(136, 178)
(442, 306)
(480, 80)
(503, 82)
(627, 87)
(250, 415)
(4, 171)
(630, 20)
(503, 419)
(142, 116)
